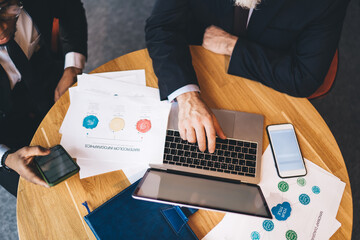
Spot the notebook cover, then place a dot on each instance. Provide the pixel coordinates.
(123, 217)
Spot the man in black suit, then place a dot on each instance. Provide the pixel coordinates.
(32, 75)
(286, 45)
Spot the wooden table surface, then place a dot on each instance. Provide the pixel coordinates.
(57, 213)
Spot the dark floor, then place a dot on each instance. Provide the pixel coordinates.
(116, 28)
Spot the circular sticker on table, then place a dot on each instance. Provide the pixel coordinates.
(268, 225)
(90, 122)
(117, 124)
(304, 199)
(255, 235)
(143, 125)
(301, 182)
(282, 211)
(315, 189)
(291, 235)
(283, 186)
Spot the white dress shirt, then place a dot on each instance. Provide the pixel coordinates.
(194, 87)
(27, 37)
(3, 149)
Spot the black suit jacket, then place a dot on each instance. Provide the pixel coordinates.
(289, 44)
(44, 71)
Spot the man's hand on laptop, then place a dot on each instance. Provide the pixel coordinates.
(196, 121)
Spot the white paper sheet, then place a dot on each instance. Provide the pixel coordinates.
(91, 167)
(139, 75)
(115, 88)
(119, 101)
(104, 89)
(126, 144)
(312, 201)
(105, 80)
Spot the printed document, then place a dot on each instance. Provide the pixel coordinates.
(115, 122)
(302, 207)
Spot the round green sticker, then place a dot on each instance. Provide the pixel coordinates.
(283, 186)
(301, 182)
(291, 235)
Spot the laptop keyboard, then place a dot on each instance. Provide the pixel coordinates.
(231, 156)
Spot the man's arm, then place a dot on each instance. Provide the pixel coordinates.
(165, 33)
(73, 25)
(73, 35)
(167, 45)
(300, 70)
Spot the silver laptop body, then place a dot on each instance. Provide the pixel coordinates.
(236, 125)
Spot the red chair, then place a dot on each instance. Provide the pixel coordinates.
(329, 79)
(55, 35)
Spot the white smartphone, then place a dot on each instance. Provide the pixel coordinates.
(286, 151)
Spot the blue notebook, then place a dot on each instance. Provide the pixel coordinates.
(123, 217)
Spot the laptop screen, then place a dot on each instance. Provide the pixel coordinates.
(193, 191)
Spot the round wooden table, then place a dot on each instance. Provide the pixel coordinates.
(57, 213)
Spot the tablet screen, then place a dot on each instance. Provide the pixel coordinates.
(201, 192)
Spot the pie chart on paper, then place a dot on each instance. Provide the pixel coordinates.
(117, 124)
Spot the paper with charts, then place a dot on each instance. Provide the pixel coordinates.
(302, 208)
(114, 123)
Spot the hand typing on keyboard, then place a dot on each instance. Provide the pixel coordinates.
(197, 122)
(237, 157)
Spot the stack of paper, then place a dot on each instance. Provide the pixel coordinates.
(115, 122)
(302, 208)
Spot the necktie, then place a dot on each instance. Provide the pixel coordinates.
(18, 57)
(240, 21)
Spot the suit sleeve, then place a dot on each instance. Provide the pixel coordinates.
(301, 70)
(168, 47)
(73, 26)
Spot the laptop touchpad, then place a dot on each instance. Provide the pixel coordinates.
(226, 120)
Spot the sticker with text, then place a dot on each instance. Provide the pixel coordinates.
(282, 211)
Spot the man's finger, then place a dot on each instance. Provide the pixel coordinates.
(56, 95)
(211, 136)
(190, 135)
(218, 128)
(35, 179)
(182, 132)
(30, 176)
(201, 138)
(36, 151)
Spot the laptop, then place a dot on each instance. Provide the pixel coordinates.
(223, 181)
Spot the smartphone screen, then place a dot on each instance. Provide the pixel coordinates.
(286, 150)
(57, 165)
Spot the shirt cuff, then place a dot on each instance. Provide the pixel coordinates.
(3, 150)
(74, 59)
(184, 89)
